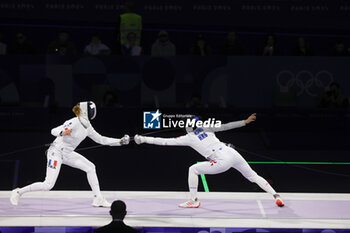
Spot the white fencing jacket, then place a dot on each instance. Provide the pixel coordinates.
(79, 133)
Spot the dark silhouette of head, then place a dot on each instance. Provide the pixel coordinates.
(63, 36)
(231, 36)
(129, 6)
(20, 38)
(131, 37)
(302, 42)
(270, 40)
(340, 47)
(334, 88)
(118, 210)
(201, 41)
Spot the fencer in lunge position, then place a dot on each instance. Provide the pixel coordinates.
(61, 151)
(220, 157)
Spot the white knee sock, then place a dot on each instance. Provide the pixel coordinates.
(93, 182)
(192, 183)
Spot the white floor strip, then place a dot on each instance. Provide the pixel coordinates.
(183, 195)
(261, 208)
(154, 221)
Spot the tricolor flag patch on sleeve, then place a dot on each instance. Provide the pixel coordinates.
(52, 163)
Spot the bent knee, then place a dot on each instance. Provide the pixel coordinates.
(90, 168)
(193, 170)
(47, 186)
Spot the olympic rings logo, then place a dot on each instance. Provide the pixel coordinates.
(305, 81)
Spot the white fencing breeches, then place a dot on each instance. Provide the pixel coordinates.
(55, 159)
(224, 160)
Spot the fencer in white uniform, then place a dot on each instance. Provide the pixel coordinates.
(61, 151)
(220, 157)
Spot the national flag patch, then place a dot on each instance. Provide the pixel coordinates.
(52, 163)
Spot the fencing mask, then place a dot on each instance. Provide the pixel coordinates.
(88, 112)
(190, 129)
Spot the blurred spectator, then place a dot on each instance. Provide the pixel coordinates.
(9, 94)
(3, 46)
(110, 99)
(201, 47)
(163, 46)
(131, 48)
(231, 47)
(116, 46)
(339, 49)
(196, 102)
(21, 45)
(118, 212)
(130, 22)
(96, 47)
(333, 97)
(270, 47)
(62, 46)
(302, 47)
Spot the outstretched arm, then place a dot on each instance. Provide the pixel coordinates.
(179, 141)
(98, 138)
(235, 124)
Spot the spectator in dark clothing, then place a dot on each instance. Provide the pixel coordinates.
(21, 45)
(339, 49)
(110, 99)
(163, 47)
(333, 98)
(231, 47)
(201, 47)
(196, 102)
(131, 48)
(62, 46)
(302, 48)
(118, 212)
(270, 47)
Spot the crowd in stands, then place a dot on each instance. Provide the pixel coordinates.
(127, 40)
(164, 46)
